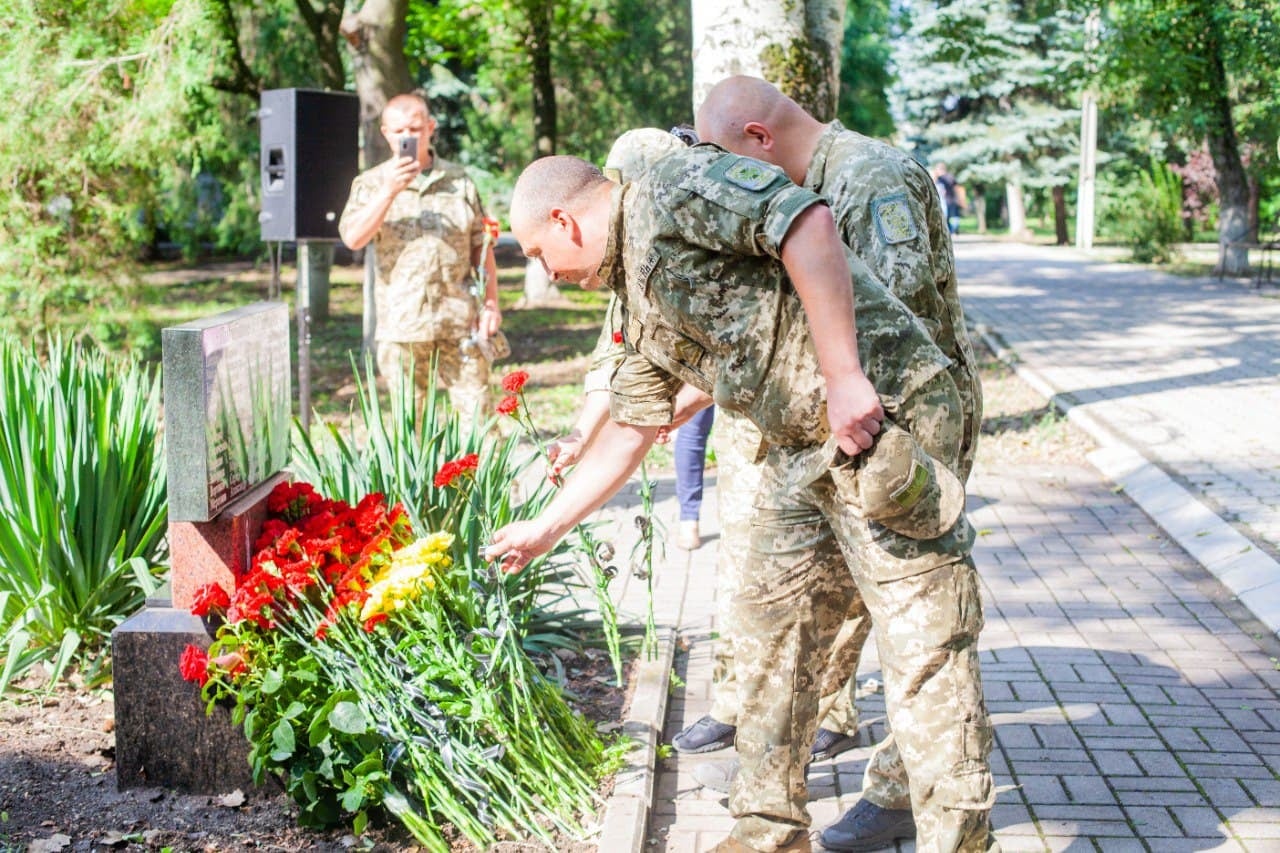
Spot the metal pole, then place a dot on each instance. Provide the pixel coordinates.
(1088, 170)
(1088, 145)
(303, 300)
(369, 322)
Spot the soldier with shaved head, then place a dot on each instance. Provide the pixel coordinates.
(734, 280)
(889, 214)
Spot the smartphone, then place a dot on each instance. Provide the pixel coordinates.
(409, 147)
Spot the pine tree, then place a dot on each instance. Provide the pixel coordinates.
(991, 88)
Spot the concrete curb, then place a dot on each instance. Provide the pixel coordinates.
(625, 826)
(1245, 569)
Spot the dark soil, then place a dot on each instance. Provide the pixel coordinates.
(58, 786)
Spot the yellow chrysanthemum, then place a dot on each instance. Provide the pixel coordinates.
(411, 569)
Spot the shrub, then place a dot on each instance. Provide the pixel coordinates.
(82, 503)
(1146, 213)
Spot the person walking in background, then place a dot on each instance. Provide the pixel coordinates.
(947, 192)
(423, 216)
(690, 461)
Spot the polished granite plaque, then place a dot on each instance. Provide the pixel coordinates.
(227, 403)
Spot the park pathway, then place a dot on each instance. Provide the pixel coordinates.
(1136, 701)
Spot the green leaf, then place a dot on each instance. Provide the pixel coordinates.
(283, 740)
(353, 797)
(272, 680)
(347, 717)
(360, 822)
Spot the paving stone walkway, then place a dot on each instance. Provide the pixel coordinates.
(1136, 702)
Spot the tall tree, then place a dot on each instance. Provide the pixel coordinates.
(991, 88)
(1203, 70)
(376, 35)
(794, 44)
(865, 75)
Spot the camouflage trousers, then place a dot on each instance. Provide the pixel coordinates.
(923, 599)
(465, 376)
(964, 370)
(737, 442)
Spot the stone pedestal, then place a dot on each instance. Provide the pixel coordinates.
(163, 736)
(217, 551)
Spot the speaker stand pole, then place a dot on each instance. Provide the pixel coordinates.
(370, 319)
(303, 300)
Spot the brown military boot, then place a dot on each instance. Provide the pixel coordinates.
(798, 844)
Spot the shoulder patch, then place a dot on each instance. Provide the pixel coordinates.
(750, 174)
(892, 214)
(648, 265)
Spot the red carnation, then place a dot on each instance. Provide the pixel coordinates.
(194, 664)
(374, 621)
(491, 229)
(211, 596)
(513, 383)
(454, 469)
(509, 405)
(617, 337)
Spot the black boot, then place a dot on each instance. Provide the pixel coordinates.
(867, 826)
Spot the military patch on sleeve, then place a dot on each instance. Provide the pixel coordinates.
(893, 218)
(750, 174)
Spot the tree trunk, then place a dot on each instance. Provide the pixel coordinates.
(1060, 215)
(325, 25)
(376, 36)
(980, 207)
(794, 45)
(1017, 209)
(538, 289)
(1233, 188)
(544, 85)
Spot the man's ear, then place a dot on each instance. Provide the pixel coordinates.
(562, 219)
(758, 134)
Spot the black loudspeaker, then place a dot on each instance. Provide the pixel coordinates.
(310, 154)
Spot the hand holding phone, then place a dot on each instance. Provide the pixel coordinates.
(409, 147)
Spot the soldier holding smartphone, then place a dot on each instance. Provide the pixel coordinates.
(423, 218)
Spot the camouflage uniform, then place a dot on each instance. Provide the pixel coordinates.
(888, 212)
(694, 250)
(422, 289)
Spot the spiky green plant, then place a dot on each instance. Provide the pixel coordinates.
(82, 503)
(398, 455)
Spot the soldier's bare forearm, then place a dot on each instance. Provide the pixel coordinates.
(815, 262)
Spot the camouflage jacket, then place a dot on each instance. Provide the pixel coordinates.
(888, 213)
(695, 254)
(423, 251)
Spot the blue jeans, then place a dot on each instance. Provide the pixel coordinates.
(690, 457)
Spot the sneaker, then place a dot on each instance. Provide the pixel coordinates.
(717, 775)
(687, 536)
(829, 744)
(798, 844)
(867, 826)
(706, 735)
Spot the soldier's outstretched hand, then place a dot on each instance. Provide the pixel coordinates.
(854, 412)
(513, 546)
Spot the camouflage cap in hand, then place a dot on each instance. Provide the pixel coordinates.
(897, 484)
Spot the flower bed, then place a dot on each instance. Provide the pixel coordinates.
(373, 672)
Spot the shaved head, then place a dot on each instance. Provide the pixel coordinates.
(560, 216)
(734, 101)
(552, 182)
(749, 116)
